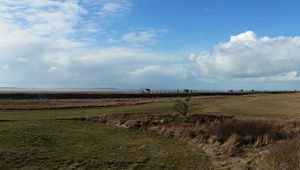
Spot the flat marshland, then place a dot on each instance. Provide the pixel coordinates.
(221, 132)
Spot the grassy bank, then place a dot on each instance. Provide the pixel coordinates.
(52, 144)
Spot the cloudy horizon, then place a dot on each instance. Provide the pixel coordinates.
(134, 44)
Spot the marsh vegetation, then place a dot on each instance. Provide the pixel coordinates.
(219, 132)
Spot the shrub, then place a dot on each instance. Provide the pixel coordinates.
(257, 132)
(184, 107)
(285, 155)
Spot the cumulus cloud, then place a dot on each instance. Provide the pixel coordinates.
(246, 56)
(45, 44)
(39, 47)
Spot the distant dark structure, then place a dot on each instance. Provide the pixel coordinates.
(146, 91)
(186, 90)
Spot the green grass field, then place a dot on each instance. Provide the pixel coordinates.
(267, 106)
(36, 139)
(52, 144)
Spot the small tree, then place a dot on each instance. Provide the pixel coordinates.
(184, 107)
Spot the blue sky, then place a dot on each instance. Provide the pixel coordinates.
(160, 44)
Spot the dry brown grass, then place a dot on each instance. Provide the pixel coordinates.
(245, 132)
(206, 128)
(224, 130)
(224, 138)
(46, 104)
(284, 155)
(260, 121)
(269, 106)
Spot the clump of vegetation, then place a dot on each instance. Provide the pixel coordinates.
(285, 155)
(256, 132)
(206, 128)
(185, 107)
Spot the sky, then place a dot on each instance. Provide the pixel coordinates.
(157, 44)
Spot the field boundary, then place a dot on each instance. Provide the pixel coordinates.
(95, 95)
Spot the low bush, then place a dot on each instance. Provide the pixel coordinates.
(256, 132)
(185, 107)
(285, 155)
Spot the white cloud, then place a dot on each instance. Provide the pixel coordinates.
(179, 71)
(146, 69)
(139, 38)
(111, 56)
(5, 67)
(38, 39)
(111, 40)
(290, 76)
(59, 60)
(114, 8)
(52, 69)
(61, 18)
(192, 56)
(247, 56)
(46, 18)
(39, 43)
(154, 68)
(22, 60)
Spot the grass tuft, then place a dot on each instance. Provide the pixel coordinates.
(285, 155)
